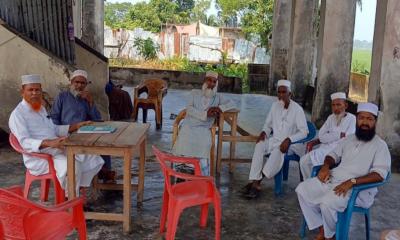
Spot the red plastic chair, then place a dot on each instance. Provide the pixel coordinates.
(22, 219)
(196, 190)
(45, 178)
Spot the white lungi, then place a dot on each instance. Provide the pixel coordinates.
(320, 204)
(274, 162)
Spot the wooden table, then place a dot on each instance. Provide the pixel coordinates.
(128, 137)
(231, 117)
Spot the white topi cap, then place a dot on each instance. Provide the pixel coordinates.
(212, 75)
(79, 72)
(28, 79)
(285, 83)
(367, 107)
(338, 95)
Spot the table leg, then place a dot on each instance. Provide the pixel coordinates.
(127, 190)
(232, 149)
(219, 147)
(142, 162)
(71, 173)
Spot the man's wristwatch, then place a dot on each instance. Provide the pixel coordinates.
(353, 181)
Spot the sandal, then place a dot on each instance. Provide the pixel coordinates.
(253, 193)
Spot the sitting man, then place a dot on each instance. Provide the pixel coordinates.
(361, 158)
(36, 132)
(194, 139)
(338, 125)
(120, 103)
(287, 122)
(76, 105)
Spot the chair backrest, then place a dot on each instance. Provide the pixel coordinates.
(13, 209)
(312, 132)
(154, 86)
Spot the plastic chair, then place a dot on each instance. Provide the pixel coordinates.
(156, 89)
(213, 129)
(196, 190)
(283, 174)
(22, 219)
(344, 218)
(45, 179)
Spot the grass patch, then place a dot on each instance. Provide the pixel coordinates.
(361, 61)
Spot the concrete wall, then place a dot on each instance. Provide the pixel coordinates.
(97, 73)
(175, 79)
(19, 57)
(93, 24)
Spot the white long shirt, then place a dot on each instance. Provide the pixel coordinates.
(285, 123)
(329, 136)
(31, 128)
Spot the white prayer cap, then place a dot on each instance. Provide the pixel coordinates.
(338, 95)
(28, 79)
(367, 107)
(79, 72)
(212, 74)
(285, 83)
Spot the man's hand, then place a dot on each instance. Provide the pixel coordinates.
(262, 137)
(343, 188)
(284, 147)
(53, 143)
(324, 174)
(76, 126)
(311, 144)
(342, 135)
(87, 96)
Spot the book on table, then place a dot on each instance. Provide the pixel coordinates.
(97, 129)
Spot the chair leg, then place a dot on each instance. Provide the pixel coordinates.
(204, 215)
(158, 116)
(27, 186)
(285, 170)
(217, 213)
(173, 220)
(135, 112)
(367, 225)
(278, 183)
(59, 192)
(144, 111)
(164, 212)
(44, 190)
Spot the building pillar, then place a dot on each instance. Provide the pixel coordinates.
(302, 43)
(93, 24)
(336, 32)
(387, 68)
(77, 17)
(280, 43)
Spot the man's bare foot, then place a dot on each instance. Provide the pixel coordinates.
(320, 235)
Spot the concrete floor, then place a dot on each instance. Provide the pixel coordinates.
(268, 217)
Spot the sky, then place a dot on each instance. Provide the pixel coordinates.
(364, 26)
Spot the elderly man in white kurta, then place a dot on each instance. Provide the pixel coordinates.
(36, 132)
(338, 125)
(194, 139)
(362, 157)
(286, 123)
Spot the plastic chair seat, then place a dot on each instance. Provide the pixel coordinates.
(60, 222)
(192, 191)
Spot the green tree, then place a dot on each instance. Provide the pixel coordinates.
(146, 48)
(198, 12)
(185, 5)
(115, 14)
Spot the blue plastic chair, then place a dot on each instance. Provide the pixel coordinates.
(283, 174)
(344, 218)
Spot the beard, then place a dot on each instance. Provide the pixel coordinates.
(74, 92)
(365, 135)
(207, 92)
(35, 105)
(339, 117)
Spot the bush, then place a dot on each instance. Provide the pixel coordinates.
(146, 48)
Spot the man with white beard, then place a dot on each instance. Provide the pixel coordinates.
(194, 139)
(338, 125)
(285, 124)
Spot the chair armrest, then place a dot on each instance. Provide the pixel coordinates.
(139, 90)
(45, 156)
(368, 185)
(191, 177)
(16, 189)
(66, 205)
